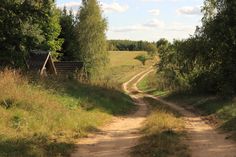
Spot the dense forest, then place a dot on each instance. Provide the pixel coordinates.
(206, 61)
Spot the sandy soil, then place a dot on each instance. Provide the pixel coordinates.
(202, 139)
(117, 139)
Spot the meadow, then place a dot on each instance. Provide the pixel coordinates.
(123, 66)
(44, 117)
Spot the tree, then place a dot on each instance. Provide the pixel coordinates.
(151, 49)
(27, 25)
(70, 48)
(142, 58)
(92, 39)
(206, 61)
(51, 28)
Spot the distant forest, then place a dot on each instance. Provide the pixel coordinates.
(129, 45)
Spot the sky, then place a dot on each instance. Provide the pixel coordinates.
(147, 19)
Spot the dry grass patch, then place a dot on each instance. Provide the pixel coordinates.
(164, 131)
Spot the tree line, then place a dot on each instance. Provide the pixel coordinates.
(206, 61)
(27, 25)
(129, 45)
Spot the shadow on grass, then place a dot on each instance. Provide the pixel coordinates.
(93, 97)
(38, 146)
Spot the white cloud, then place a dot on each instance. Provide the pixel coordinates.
(133, 28)
(180, 27)
(151, 0)
(71, 4)
(161, 0)
(154, 12)
(154, 23)
(112, 7)
(196, 10)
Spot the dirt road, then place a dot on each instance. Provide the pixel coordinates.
(117, 139)
(203, 140)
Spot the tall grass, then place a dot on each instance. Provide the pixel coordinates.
(43, 118)
(164, 131)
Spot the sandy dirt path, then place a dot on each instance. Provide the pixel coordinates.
(117, 138)
(202, 138)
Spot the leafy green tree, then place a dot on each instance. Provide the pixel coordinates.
(92, 39)
(70, 48)
(27, 25)
(51, 28)
(142, 58)
(206, 61)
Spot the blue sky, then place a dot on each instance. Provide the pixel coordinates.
(147, 19)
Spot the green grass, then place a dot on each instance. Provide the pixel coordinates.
(212, 106)
(164, 131)
(124, 65)
(45, 117)
(149, 85)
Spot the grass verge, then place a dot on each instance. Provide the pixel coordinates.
(149, 85)
(164, 131)
(219, 111)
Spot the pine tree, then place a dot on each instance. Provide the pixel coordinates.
(92, 39)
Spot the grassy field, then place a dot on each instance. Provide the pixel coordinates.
(164, 131)
(123, 66)
(43, 118)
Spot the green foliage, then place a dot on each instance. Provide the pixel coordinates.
(128, 45)
(27, 25)
(70, 48)
(151, 49)
(52, 28)
(206, 61)
(142, 58)
(92, 39)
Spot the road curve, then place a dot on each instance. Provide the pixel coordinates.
(117, 138)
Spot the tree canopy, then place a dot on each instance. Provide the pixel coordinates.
(92, 39)
(206, 61)
(26, 25)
